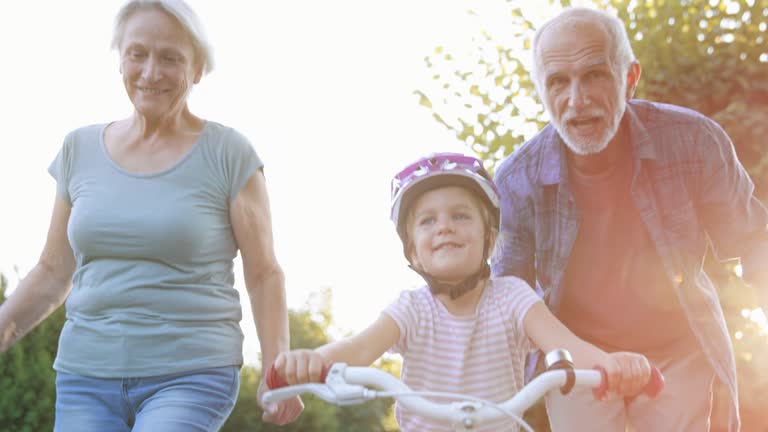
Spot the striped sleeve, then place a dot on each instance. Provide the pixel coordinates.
(521, 297)
(403, 312)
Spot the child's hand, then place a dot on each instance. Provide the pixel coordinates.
(628, 374)
(300, 366)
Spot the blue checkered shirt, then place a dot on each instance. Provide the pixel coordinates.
(691, 192)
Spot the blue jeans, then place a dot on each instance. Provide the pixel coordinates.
(195, 401)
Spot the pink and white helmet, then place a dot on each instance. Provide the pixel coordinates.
(438, 170)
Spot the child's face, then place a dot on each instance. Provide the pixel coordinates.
(447, 231)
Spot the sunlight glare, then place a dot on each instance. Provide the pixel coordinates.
(757, 316)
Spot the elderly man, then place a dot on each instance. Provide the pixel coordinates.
(608, 211)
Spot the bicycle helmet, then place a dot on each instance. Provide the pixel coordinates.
(441, 170)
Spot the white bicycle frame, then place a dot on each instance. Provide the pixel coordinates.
(347, 385)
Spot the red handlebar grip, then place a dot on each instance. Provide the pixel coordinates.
(652, 388)
(655, 383)
(276, 381)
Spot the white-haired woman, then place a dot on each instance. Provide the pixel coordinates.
(149, 215)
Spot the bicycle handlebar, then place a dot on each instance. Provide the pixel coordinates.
(651, 389)
(345, 385)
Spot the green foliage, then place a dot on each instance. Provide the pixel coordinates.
(26, 378)
(710, 57)
(706, 55)
(309, 329)
(308, 326)
(486, 97)
(750, 342)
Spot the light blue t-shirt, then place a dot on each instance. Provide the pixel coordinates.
(153, 289)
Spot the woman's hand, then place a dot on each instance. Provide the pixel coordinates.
(294, 367)
(280, 413)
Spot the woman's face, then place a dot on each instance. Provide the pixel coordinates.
(157, 62)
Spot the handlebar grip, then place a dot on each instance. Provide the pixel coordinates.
(276, 381)
(652, 388)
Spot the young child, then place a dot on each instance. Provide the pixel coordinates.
(464, 332)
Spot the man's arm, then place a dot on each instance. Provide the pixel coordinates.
(514, 254)
(734, 219)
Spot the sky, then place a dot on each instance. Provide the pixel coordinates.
(324, 91)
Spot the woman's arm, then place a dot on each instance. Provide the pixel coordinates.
(45, 287)
(264, 281)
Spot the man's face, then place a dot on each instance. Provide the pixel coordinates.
(583, 91)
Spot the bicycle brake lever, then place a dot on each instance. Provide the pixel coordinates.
(346, 394)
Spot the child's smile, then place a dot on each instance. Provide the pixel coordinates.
(448, 233)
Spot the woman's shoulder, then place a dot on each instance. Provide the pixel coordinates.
(87, 133)
(226, 140)
(223, 133)
(82, 141)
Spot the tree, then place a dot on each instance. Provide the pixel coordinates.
(486, 96)
(710, 56)
(27, 380)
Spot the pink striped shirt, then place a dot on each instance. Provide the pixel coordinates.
(482, 355)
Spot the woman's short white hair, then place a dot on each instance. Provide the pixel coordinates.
(185, 16)
(620, 49)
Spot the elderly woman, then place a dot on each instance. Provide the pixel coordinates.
(149, 215)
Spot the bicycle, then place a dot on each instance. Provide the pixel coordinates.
(346, 385)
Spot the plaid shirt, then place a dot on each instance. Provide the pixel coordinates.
(690, 190)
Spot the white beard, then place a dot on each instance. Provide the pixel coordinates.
(587, 146)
